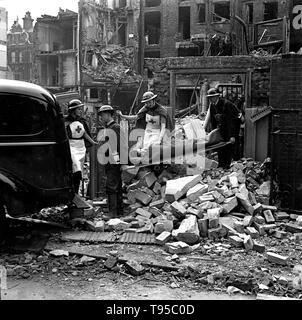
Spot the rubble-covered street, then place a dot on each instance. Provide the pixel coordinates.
(212, 232)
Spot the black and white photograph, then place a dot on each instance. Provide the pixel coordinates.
(151, 153)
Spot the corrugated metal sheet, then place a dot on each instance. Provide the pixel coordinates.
(109, 237)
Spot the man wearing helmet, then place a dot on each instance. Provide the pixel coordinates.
(154, 119)
(110, 158)
(223, 114)
(79, 137)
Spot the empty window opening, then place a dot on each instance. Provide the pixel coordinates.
(94, 93)
(122, 34)
(201, 9)
(270, 11)
(250, 13)
(221, 11)
(153, 3)
(152, 28)
(184, 27)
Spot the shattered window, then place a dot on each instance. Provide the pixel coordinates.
(270, 11)
(221, 11)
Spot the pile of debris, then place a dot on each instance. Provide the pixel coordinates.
(182, 210)
(112, 63)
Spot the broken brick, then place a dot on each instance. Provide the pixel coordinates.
(178, 210)
(178, 247)
(206, 198)
(219, 198)
(196, 191)
(248, 243)
(175, 189)
(280, 215)
(149, 179)
(268, 207)
(259, 247)
(268, 216)
(193, 211)
(236, 241)
(247, 221)
(252, 232)
(259, 219)
(239, 226)
(276, 258)
(157, 204)
(163, 225)
(257, 208)
(144, 213)
(142, 197)
(188, 231)
(156, 188)
(156, 212)
(134, 268)
(260, 228)
(243, 200)
(229, 204)
(163, 238)
(293, 228)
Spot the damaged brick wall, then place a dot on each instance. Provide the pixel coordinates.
(159, 74)
(286, 99)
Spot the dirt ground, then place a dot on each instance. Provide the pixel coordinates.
(105, 289)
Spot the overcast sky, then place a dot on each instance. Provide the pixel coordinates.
(36, 7)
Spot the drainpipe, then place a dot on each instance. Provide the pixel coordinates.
(79, 47)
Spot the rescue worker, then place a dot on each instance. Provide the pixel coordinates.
(79, 138)
(224, 115)
(153, 119)
(112, 166)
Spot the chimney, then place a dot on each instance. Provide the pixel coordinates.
(28, 22)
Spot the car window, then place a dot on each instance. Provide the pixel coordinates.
(21, 115)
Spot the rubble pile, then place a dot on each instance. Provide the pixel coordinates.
(113, 63)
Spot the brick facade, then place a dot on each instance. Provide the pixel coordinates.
(286, 99)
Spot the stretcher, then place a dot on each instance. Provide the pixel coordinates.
(176, 151)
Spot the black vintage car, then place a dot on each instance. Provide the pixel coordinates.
(35, 161)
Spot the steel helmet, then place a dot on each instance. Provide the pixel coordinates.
(148, 96)
(75, 103)
(105, 108)
(212, 93)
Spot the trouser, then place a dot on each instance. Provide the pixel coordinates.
(225, 155)
(77, 178)
(114, 189)
(237, 154)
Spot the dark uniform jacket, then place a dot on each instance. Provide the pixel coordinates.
(224, 115)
